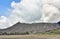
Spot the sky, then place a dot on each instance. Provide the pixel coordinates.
(5, 5)
(28, 11)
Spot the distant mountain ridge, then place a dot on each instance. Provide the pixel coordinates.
(31, 28)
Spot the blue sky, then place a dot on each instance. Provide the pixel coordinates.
(5, 5)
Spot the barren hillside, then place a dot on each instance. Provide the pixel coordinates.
(31, 28)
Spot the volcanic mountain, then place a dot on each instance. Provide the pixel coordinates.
(31, 28)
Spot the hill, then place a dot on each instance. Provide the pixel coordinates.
(31, 28)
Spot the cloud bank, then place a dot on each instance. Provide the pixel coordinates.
(37, 10)
(34, 11)
(27, 10)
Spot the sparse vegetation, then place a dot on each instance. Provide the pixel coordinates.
(16, 33)
(56, 31)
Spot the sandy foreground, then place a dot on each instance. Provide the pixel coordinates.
(29, 36)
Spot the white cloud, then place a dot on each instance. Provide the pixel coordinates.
(27, 10)
(37, 10)
(3, 19)
(51, 13)
(3, 22)
(34, 11)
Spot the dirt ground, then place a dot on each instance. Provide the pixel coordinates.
(29, 36)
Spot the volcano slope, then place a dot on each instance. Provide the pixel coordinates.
(31, 28)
